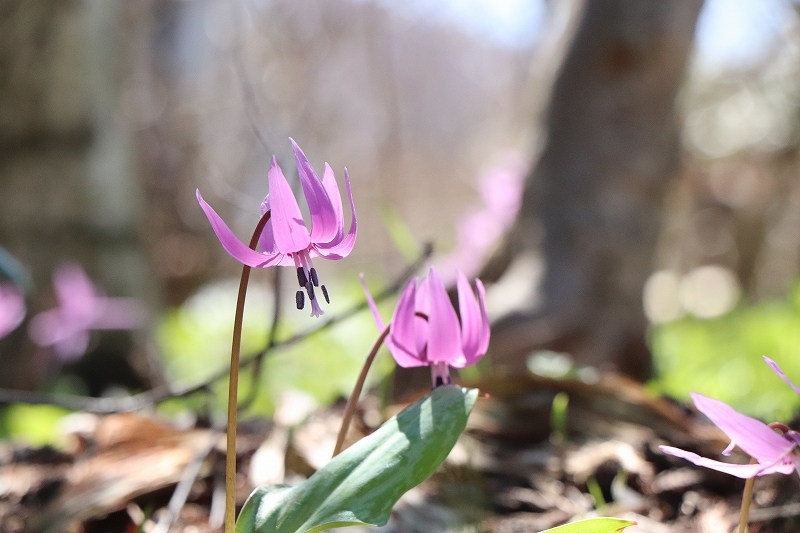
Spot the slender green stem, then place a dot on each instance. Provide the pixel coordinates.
(350, 409)
(233, 388)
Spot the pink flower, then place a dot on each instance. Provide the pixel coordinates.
(81, 308)
(479, 231)
(286, 241)
(425, 329)
(12, 308)
(774, 452)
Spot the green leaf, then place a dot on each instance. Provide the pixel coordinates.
(593, 525)
(34, 424)
(399, 233)
(361, 485)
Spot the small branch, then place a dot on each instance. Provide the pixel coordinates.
(182, 490)
(248, 93)
(82, 403)
(258, 360)
(159, 394)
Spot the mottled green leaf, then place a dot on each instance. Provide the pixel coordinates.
(361, 485)
(593, 525)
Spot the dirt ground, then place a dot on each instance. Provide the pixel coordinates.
(510, 472)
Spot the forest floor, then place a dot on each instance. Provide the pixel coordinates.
(509, 473)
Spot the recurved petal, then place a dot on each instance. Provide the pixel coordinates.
(486, 328)
(753, 436)
(266, 241)
(423, 300)
(472, 330)
(738, 470)
(323, 214)
(376, 315)
(774, 366)
(403, 336)
(76, 293)
(289, 230)
(231, 243)
(401, 355)
(12, 308)
(444, 333)
(341, 246)
(329, 183)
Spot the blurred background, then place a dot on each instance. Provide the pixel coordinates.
(623, 175)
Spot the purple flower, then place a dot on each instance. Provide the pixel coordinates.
(12, 308)
(479, 231)
(425, 329)
(286, 241)
(81, 308)
(774, 452)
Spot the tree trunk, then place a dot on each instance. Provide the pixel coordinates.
(593, 202)
(67, 187)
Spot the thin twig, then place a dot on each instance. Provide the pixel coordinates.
(258, 360)
(350, 409)
(216, 514)
(248, 94)
(182, 490)
(770, 513)
(159, 394)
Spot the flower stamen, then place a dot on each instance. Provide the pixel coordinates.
(308, 279)
(287, 241)
(301, 276)
(325, 294)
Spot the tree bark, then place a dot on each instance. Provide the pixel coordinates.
(592, 204)
(67, 187)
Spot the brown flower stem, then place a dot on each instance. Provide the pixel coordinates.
(350, 409)
(233, 388)
(151, 398)
(747, 496)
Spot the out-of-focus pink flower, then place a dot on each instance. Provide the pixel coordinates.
(479, 231)
(774, 452)
(286, 241)
(425, 329)
(12, 308)
(81, 308)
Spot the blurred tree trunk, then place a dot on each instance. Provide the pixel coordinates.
(67, 187)
(593, 202)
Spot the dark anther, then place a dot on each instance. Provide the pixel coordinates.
(301, 277)
(439, 381)
(300, 299)
(314, 278)
(310, 291)
(325, 294)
